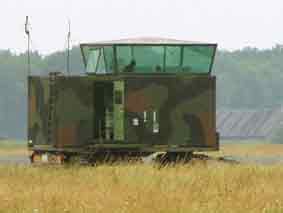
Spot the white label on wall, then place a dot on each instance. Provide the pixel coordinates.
(155, 128)
(135, 121)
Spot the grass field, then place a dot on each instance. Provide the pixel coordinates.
(13, 147)
(196, 187)
(142, 188)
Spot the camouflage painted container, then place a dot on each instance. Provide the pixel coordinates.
(136, 111)
(150, 111)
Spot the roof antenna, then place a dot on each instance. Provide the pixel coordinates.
(28, 34)
(68, 50)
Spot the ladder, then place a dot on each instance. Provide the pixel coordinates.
(51, 124)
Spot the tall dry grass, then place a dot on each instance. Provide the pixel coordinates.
(198, 187)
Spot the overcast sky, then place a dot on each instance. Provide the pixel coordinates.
(231, 24)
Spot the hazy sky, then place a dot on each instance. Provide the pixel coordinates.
(231, 24)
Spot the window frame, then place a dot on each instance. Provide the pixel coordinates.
(182, 46)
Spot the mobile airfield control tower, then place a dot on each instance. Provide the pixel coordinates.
(137, 97)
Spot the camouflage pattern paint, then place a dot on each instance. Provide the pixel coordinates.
(38, 92)
(184, 107)
(74, 111)
(169, 110)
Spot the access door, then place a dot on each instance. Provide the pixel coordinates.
(103, 110)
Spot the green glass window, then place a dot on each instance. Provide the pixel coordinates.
(140, 59)
(99, 60)
(101, 67)
(197, 59)
(124, 57)
(109, 59)
(173, 59)
(92, 58)
(85, 52)
(149, 59)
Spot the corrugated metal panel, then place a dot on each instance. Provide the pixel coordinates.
(275, 120)
(249, 123)
(262, 119)
(221, 119)
(227, 128)
(243, 119)
(269, 123)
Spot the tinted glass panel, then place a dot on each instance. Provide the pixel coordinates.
(109, 59)
(124, 57)
(197, 59)
(101, 68)
(92, 58)
(149, 58)
(173, 59)
(99, 60)
(140, 59)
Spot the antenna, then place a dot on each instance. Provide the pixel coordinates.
(68, 50)
(28, 34)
